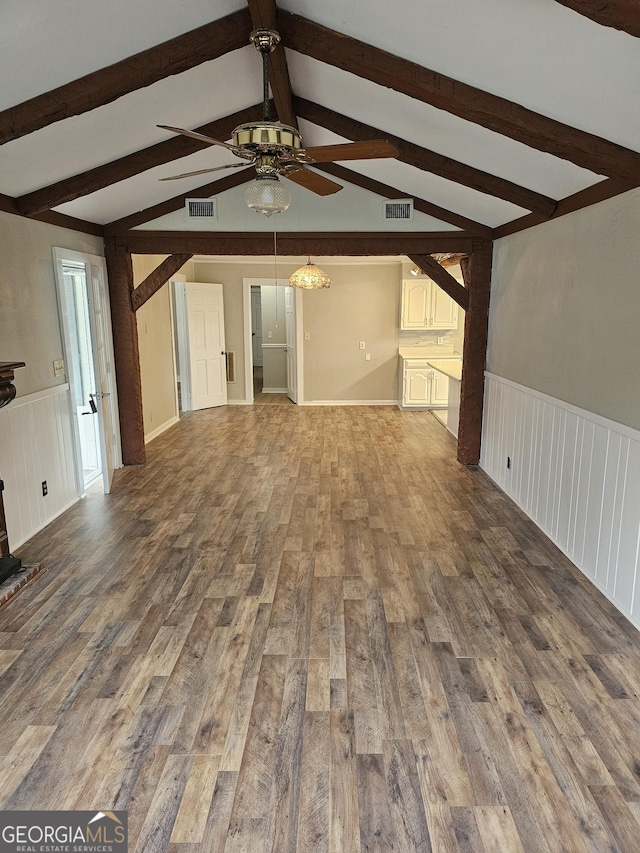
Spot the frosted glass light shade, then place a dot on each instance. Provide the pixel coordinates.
(267, 196)
(310, 277)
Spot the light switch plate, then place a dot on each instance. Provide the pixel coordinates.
(367, 357)
(58, 367)
(307, 336)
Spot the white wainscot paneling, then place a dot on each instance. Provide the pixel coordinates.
(577, 475)
(36, 445)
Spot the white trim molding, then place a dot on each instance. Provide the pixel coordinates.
(576, 475)
(350, 403)
(162, 428)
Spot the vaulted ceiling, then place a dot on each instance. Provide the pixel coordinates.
(505, 112)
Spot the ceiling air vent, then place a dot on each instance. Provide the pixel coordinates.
(401, 208)
(201, 208)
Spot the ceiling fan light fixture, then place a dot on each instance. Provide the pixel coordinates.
(267, 195)
(310, 277)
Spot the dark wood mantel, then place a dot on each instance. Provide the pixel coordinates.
(7, 388)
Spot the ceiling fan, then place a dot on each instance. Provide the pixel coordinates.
(276, 149)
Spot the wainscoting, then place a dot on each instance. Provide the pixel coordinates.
(577, 475)
(36, 446)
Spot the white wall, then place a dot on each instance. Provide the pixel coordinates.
(563, 388)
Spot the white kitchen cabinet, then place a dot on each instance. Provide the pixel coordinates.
(422, 386)
(426, 306)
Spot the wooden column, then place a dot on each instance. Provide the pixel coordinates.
(476, 271)
(127, 356)
(8, 563)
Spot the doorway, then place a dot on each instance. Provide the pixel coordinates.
(272, 349)
(85, 320)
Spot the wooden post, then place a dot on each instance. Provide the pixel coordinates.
(127, 356)
(476, 271)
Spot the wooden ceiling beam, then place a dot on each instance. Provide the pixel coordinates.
(96, 179)
(294, 243)
(419, 204)
(442, 278)
(157, 279)
(10, 205)
(234, 179)
(584, 198)
(101, 87)
(491, 111)
(428, 161)
(263, 16)
(620, 14)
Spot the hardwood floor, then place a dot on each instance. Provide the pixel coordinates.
(311, 629)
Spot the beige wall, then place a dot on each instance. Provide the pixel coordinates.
(565, 309)
(155, 339)
(362, 304)
(29, 325)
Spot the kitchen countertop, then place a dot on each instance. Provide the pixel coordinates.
(451, 367)
(426, 352)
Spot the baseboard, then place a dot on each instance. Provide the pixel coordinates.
(163, 428)
(239, 403)
(349, 403)
(274, 390)
(576, 475)
(32, 533)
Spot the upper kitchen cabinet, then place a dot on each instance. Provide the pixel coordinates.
(426, 306)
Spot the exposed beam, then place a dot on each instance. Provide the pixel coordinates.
(619, 14)
(263, 15)
(443, 279)
(10, 205)
(294, 243)
(584, 198)
(133, 164)
(234, 179)
(476, 271)
(157, 279)
(101, 87)
(419, 204)
(428, 161)
(126, 351)
(461, 99)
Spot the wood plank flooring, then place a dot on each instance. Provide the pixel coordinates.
(310, 629)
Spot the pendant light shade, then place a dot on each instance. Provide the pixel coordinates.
(267, 195)
(310, 277)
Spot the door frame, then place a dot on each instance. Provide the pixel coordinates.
(247, 283)
(61, 255)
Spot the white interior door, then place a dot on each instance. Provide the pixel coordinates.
(205, 319)
(292, 363)
(105, 392)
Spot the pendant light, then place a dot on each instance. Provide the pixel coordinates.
(310, 277)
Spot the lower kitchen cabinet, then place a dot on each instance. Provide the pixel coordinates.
(423, 387)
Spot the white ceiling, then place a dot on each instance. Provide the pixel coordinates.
(537, 53)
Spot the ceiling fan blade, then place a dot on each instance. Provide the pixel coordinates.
(369, 150)
(203, 171)
(199, 136)
(318, 184)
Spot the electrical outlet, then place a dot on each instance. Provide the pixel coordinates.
(362, 344)
(45, 488)
(440, 341)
